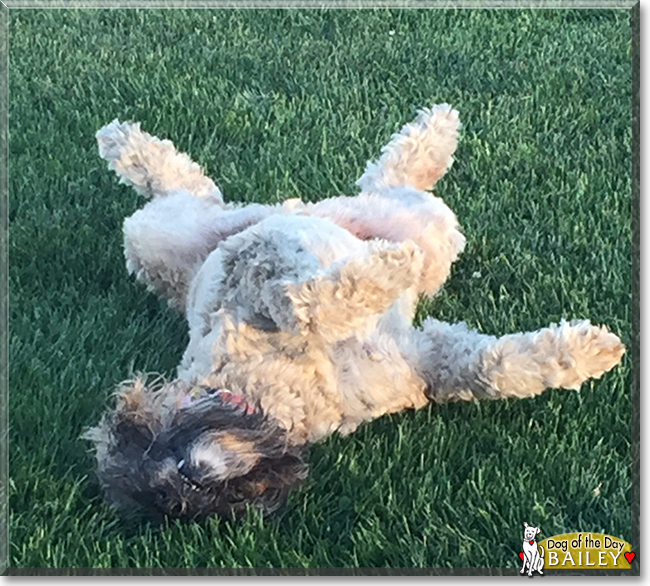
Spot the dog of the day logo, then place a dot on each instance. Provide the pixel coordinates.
(574, 551)
(533, 555)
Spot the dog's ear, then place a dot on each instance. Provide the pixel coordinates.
(268, 484)
(525, 524)
(246, 459)
(536, 530)
(279, 467)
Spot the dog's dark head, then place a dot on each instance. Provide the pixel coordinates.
(168, 453)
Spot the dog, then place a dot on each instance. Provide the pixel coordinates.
(300, 325)
(533, 558)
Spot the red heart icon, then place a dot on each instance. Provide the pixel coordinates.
(531, 542)
(521, 556)
(629, 556)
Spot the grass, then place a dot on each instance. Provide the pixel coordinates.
(291, 104)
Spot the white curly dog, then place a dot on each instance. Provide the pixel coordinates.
(300, 319)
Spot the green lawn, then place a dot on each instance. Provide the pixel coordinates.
(284, 104)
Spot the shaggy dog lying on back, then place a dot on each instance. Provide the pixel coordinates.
(300, 324)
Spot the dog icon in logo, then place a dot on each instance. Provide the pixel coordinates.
(532, 557)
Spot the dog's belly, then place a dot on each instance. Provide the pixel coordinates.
(290, 237)
(375, 377)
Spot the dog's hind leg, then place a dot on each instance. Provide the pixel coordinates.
(418, 155)
(153, 167)
(166, 242)
(459, 364)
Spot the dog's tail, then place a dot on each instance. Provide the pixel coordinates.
(418, 155)
(153, 167)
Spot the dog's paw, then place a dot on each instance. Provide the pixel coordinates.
(112, 138)
(400, 264)
(442, 117)
(600, 349)
(402, 254)
(589, 352)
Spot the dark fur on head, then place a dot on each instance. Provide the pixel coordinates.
(190, 462)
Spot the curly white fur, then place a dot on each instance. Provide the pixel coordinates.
(418, 155)
(306, 309)
(153, 167)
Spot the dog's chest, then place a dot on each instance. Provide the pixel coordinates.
(374, 378)
(314, 391)
(284, 376)
(530, 545)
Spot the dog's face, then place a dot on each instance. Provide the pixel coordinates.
(170, 454)
(530, 532)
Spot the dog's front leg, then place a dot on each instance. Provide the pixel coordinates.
(460, 364)
(345, 298)
(532, 563)
(523, 567)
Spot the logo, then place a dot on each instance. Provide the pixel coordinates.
(532, 556)
(574, 551)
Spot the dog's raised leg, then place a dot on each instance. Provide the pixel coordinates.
(347, 298)
(418, 155)
(394, 204)
(460, 364)
(153, 167)
(167, 240)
